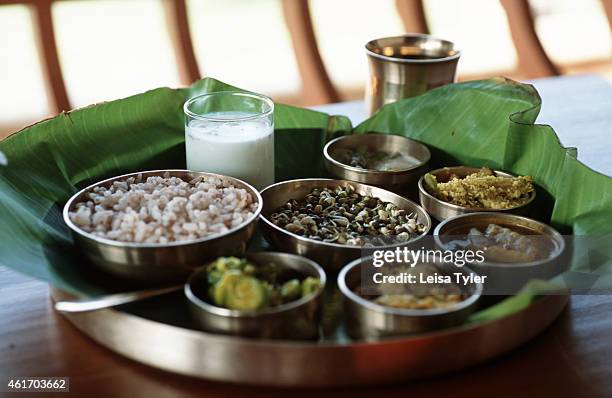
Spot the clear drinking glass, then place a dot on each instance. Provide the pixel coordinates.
(231, 133)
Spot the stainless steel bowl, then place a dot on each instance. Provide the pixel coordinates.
(295, 320)
(331, 256)
(155, 262)
(368, 320)
(398, 181)
(507, 278)
(441, 210)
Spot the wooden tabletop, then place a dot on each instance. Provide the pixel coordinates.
(572, 358)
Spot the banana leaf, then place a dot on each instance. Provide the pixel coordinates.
(482, 123)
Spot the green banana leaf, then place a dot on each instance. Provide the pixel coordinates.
(488, 123)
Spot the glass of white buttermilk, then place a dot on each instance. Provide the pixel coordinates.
(231, 133)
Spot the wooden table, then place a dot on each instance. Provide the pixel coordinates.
(572, 358)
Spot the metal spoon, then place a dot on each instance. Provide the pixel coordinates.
(111, 300)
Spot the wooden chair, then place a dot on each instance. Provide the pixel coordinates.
(316, 84)
(317, 87)
(413, 15)
(607, 5)
(533, 60)
(178, 29)
(47, 50)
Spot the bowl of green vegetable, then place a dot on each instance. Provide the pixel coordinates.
(265, 295)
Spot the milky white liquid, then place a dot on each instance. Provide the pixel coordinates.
(243, 148)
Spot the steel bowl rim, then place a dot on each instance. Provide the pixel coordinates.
(413, 61)
(554, 236)
(338, 245)
(369, 172)
(355, 298)
(424, 191)
(279, 309)
(136, 245)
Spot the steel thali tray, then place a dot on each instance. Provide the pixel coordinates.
(194, 353)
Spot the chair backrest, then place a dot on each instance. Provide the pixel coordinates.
(317, 86)
(412, 13)
(607, 5)
(47, 50)
(533, 60)
(178, 28)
